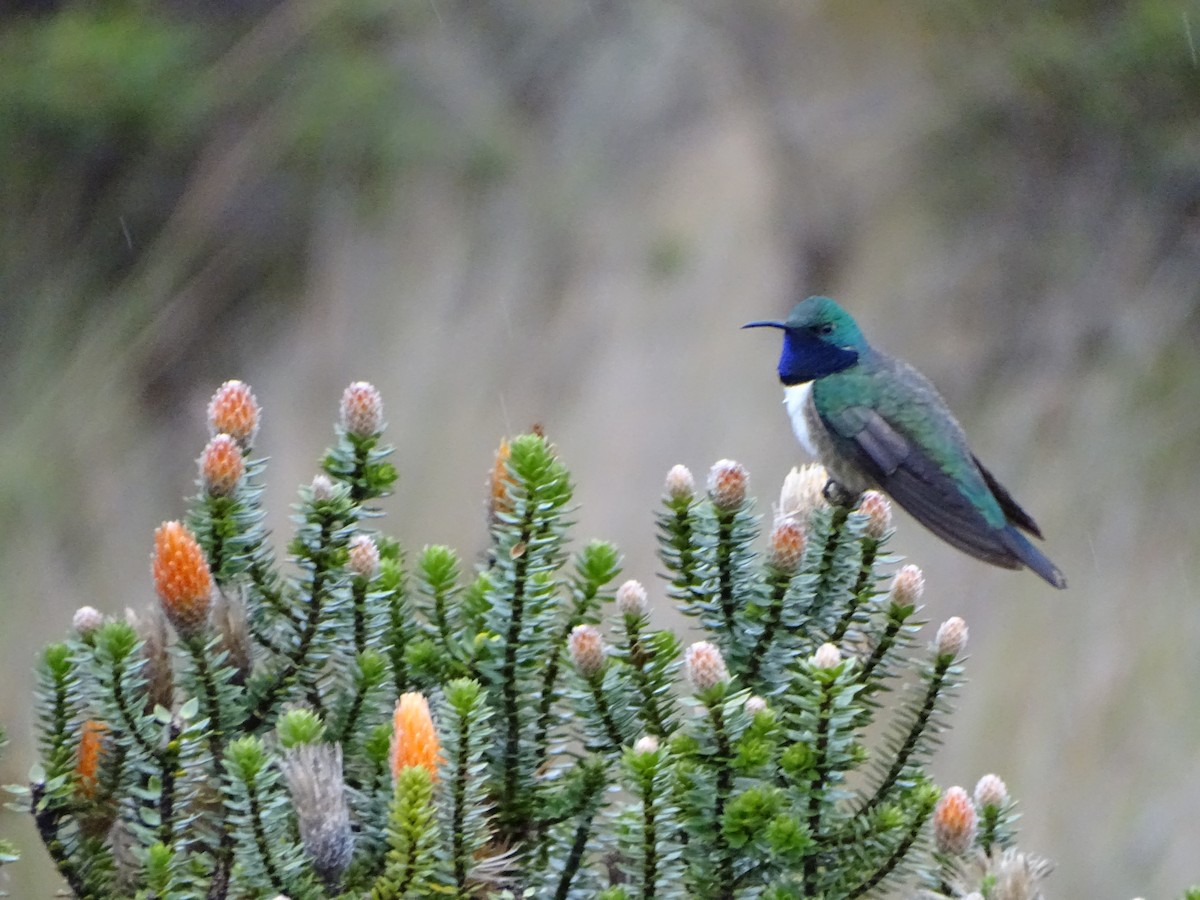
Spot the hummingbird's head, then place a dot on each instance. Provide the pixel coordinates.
(819, 338)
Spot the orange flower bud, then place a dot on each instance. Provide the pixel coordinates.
(181, 578)
(234, 411)
(787, 545)
(414, 739)
(727, 484)
(954, 822)
(87, 762)
(221, 465)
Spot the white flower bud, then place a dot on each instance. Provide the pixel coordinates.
(827, 656)
(951, 637)
(646, 744)
(680, 483)
(86, 620)
(631, 599)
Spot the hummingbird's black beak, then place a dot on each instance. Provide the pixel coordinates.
(764, 325)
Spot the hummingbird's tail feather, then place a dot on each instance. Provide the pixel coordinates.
(1012, 509)
(1031, 556)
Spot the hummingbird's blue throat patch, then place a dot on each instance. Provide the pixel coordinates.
(807, 357)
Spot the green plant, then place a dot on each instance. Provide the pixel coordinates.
(364, 725)
(8, 852)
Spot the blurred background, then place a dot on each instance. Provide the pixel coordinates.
(560, 211)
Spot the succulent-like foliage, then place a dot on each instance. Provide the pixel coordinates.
(356, 725)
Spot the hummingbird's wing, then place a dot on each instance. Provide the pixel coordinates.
(945, 501)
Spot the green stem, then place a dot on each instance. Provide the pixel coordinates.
(575, 857)
(909, 746)
(725, 592)
(209, 700)
(359, 596)
(128, 718)
(893, 859)
(47, 819)
(296, 658)
(774, 615)
(511, 816)
(649, 837)
(168, 767)
(596, 683)
(350, 724)
(638, 657)
(897, 616)
(861, 590)
(679, 537)
(262, 843)
(546, 704)
(816, 790)
(397, 643)
(458, 804)
(725, 878)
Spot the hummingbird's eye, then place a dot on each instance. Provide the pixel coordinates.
(825, 328)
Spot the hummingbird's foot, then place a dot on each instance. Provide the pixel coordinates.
(837, 494)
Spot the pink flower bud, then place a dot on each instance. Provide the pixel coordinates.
(787, 545)
(755, 705)
(991, 791)
(586, 648)
(878, 510)
(86, 620)
(908, 586)
(704, 666)
(363, 556)
(362, 409)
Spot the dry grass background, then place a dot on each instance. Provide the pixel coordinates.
(664, 172)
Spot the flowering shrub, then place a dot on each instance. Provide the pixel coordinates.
(364, 724)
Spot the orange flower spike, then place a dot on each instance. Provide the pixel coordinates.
(498, 482)
(91, 749)
(181, 578)
(414, 739)
(234, 411)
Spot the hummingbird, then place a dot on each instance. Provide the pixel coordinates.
(876, 422)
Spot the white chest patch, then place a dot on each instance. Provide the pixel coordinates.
(795, 399)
